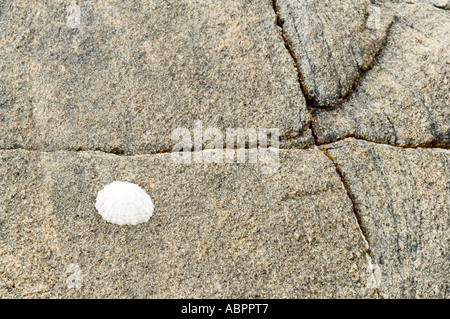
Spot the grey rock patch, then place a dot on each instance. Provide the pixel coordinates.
(217, 231)
(443, 4)
(402, 196)
(306, 139)
(404, 98)
(120, 76)
(333, 41)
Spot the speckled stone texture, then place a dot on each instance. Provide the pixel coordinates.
(443, 4)
(402, 197)
(129, 72)
(91, 91)
(217, 230)
(333, 41)
(404, 99)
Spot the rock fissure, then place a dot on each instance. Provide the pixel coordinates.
(425, 145)
(363, 71)
(362, 74)
(291, 52)
(364, 236)
(309, 101)
(80, 150)
(311, 126)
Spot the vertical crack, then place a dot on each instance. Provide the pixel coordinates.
(309, 102)
(374, 279)
(311, 127)
(372, 267)
(291, 52)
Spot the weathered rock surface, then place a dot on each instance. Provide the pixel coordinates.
(353, 219)
(404, 98)
(443, 4)
(120, 76)
(217, 230)
(403, 199)
(333, 41)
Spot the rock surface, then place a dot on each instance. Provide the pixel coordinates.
(404, 99)
(120, 76)
(402, 197)
(217, 230)
(444, 4)
(339, 217)
(333, 41)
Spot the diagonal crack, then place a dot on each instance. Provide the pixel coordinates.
(310, 102)
(291, 52)
(310, 106)
(365, 237)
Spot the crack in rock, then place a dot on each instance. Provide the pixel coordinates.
(333, 43)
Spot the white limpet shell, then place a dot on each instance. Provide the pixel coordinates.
(124, 203)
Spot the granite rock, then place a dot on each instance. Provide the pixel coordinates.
(218, 231)
(120, 76)
(403, 199)
(443, 4)
(333, 42)
(90, 92)
(404, 98)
